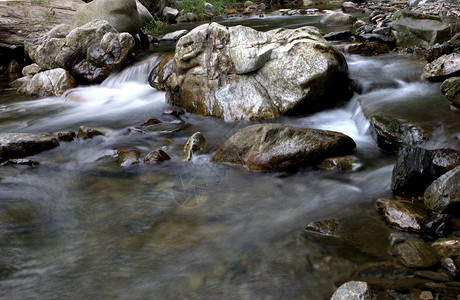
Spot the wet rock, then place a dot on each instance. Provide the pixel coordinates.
(412, 29)
(239, 73)
(416, 168)
(88, 133)
(439, 276)
(123, 15)
(451, 89)
(446, 66)
(127, 156)
(402, 215)
(353, 290)
(369, 48)
(443, 195)
(351, 8)
(385, 31)
(338, 19)
(328, 227)
(415, 253)
(48, 83)
(455, 40)
(18, 145)
(66, 136)
(271, 147)
(194, 144)
(447, 247)
(338, 36)
(343, 163)
(167, 127)
(31, 70)
(392, 134)
(20, 161)
(439, 226)
(174, 36)
(156, 156)
(161, 72)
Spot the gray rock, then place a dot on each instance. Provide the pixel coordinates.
(350, 8)
(338, 19)
(48, 83)
(413, 29)
(447, 247)
(271, 147)
(382, 31)
(31, 70)
(210, 9)
(144, 13)
(176, 35)
(194, 144)
(59, 31)
(239, 73)
(85, 132)
(90, 52)
(328, 227)
(157, 156)
(123, 15)
(18, 145)
(451, 89)
(353, 290)
(416, 168)
(415, 253)
(444, 193)
(402, 215)
(444, 66)
(170, 13)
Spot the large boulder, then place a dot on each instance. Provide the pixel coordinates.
(18, 145)
(240, 73)
(444, 193)
(48, 83)
(90, 52)
(447, 65)
(271, 146)
(451, 89)
(123, 15)
(416, 168)
(413, 29)
(19, 19)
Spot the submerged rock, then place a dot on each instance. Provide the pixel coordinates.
(239, 73)
(270, 147)
(402, 215)
(443, 195)
(415, 253)
(194, 144)
(18, 145)
(451, 89)
(127, 156)
(342, 163)
(328, 227)
(353, 290)
(85, 132)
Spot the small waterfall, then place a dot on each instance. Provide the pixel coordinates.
(138, 72)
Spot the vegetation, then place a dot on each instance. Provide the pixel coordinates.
(198, 7)
(155, 27)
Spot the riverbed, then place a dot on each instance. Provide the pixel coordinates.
(81, 226)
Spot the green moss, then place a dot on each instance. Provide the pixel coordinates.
(417, 16)
(320, 47)
(387, 122)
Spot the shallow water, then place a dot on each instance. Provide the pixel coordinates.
(81, 226)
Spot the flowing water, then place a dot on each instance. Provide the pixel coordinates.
(80, 226)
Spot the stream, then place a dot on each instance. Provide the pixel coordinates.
(79, 226)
